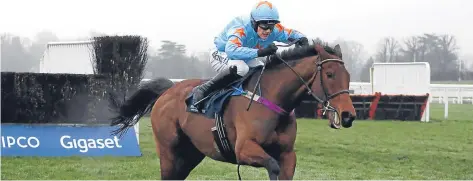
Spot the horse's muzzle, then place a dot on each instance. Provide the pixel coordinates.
(347, 119)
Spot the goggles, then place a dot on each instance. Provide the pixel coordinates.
(266, 25)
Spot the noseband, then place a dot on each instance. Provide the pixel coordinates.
(319, 63)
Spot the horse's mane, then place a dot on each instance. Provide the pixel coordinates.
(293, 54)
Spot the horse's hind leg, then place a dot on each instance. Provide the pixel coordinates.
(178, 157)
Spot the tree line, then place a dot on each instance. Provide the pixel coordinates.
(171, 59)
(441, 51)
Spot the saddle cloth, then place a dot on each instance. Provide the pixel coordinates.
(215, 102)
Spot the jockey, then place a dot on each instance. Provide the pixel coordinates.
(242, 41)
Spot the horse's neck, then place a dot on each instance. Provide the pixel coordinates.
(283, 87)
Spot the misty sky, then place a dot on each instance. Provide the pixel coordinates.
(195, 22)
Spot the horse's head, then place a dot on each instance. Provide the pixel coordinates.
(321, 71)
(330, 84)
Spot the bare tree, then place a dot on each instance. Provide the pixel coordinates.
(388, 50)
(411, 52)
(353, 55)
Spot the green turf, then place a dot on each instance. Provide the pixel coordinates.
(455, 112)
(441, 149)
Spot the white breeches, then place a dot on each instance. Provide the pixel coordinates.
(219, 61)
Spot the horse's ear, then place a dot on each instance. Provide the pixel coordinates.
(338, 51)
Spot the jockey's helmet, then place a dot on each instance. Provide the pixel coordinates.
(265, 12)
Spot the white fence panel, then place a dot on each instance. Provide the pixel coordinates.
(67, 57)
(408, 78)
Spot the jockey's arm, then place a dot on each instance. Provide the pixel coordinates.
(235, 49)
(284, 34)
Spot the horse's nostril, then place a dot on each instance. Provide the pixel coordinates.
(347, 119)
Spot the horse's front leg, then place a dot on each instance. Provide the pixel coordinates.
(287, 158)
(287, 161)
(249, 152)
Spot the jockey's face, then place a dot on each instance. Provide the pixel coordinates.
(265, 29)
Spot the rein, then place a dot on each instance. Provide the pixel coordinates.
(325, 103)
(261, 73)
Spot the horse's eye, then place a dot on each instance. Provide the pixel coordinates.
(330, 75)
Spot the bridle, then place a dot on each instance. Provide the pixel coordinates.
(325, 103)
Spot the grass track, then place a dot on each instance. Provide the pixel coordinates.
(370, 150)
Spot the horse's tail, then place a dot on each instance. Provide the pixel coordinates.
(139, 104)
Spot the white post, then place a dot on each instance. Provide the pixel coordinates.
(137, 131)
(445, 102)
(427, 110)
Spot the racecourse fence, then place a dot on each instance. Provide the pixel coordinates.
(454, 93)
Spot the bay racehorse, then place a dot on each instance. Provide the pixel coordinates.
(251, 122)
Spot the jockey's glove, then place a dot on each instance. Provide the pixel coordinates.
(271, 49)
(303, 41)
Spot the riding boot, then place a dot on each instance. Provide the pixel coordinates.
(222, 79)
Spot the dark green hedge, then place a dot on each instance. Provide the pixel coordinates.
(52, 98)
(122, 58)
